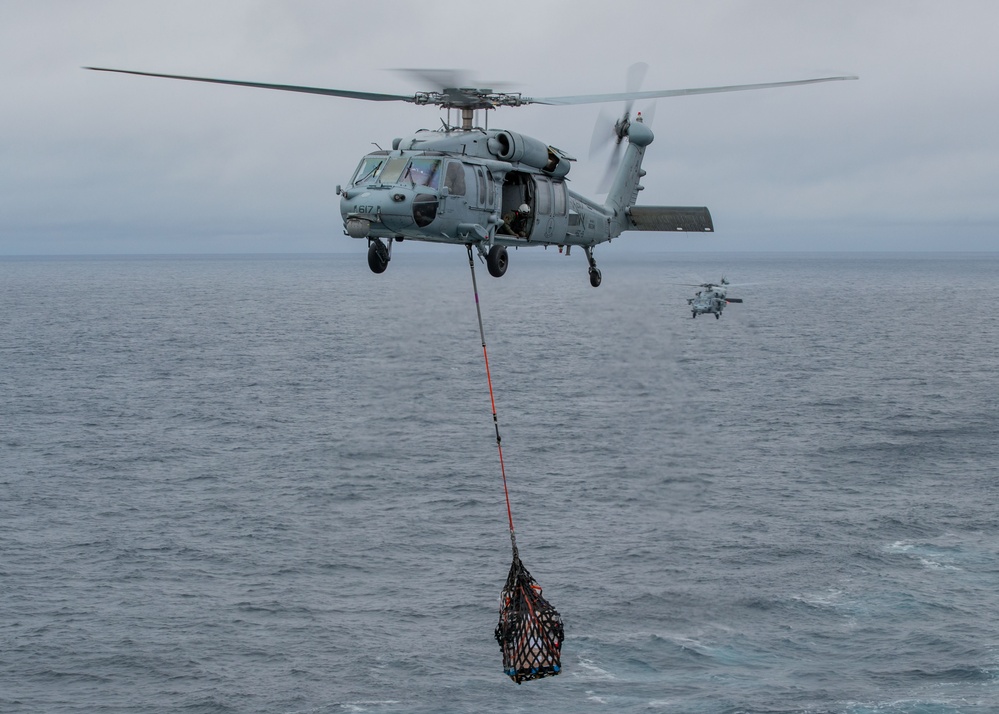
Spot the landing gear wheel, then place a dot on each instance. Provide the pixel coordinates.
(717, 315)
(594, 270)
(378, 256)
(497, 261)
(693, 316)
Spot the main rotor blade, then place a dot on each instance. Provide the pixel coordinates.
(444, 79)
(437, 78)
(369, 96)
(625, 96)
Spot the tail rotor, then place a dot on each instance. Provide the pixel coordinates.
(607, 129)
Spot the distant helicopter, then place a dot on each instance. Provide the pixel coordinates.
(710, 299)
(470, 185)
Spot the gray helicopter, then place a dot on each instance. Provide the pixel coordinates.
(494, 188)
(710, 299)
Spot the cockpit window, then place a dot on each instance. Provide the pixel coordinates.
(423, 172)
(367, 170)
(393, 170)
(454, 181)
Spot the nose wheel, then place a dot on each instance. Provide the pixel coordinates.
(595, 276)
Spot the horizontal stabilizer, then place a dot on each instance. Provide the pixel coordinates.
(670, 218)
(733, 299)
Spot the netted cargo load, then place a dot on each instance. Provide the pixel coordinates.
(530, 629)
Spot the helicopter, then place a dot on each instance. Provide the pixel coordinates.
(710, 299)
(471, 185)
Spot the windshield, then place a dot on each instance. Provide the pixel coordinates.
(423, 172)
(393, 170)
(367, 170)
(376, 168)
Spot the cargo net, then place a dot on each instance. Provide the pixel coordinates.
(529, 630)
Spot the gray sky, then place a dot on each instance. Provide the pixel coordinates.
(907, 158)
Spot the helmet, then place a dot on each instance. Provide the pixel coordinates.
(524, 208)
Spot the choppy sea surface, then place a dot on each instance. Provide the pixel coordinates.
(271, 483)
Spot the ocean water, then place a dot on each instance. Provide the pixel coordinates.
(271, 483)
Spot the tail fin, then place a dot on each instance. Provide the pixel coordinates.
(624, 190)
(625, 186)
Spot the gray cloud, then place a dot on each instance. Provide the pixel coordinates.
(906, 158)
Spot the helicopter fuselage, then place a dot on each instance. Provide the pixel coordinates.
(457, 186)
(712, 299)
(496, 189)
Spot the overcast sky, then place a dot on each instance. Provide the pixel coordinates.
(906, 158)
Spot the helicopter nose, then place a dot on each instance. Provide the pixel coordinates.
(399, 209)
(405, 209)
(389, 209)
(396, 209)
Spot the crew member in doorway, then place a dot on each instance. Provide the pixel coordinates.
(516, 223)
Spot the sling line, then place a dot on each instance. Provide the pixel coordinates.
(530, 630)
(492, 400)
